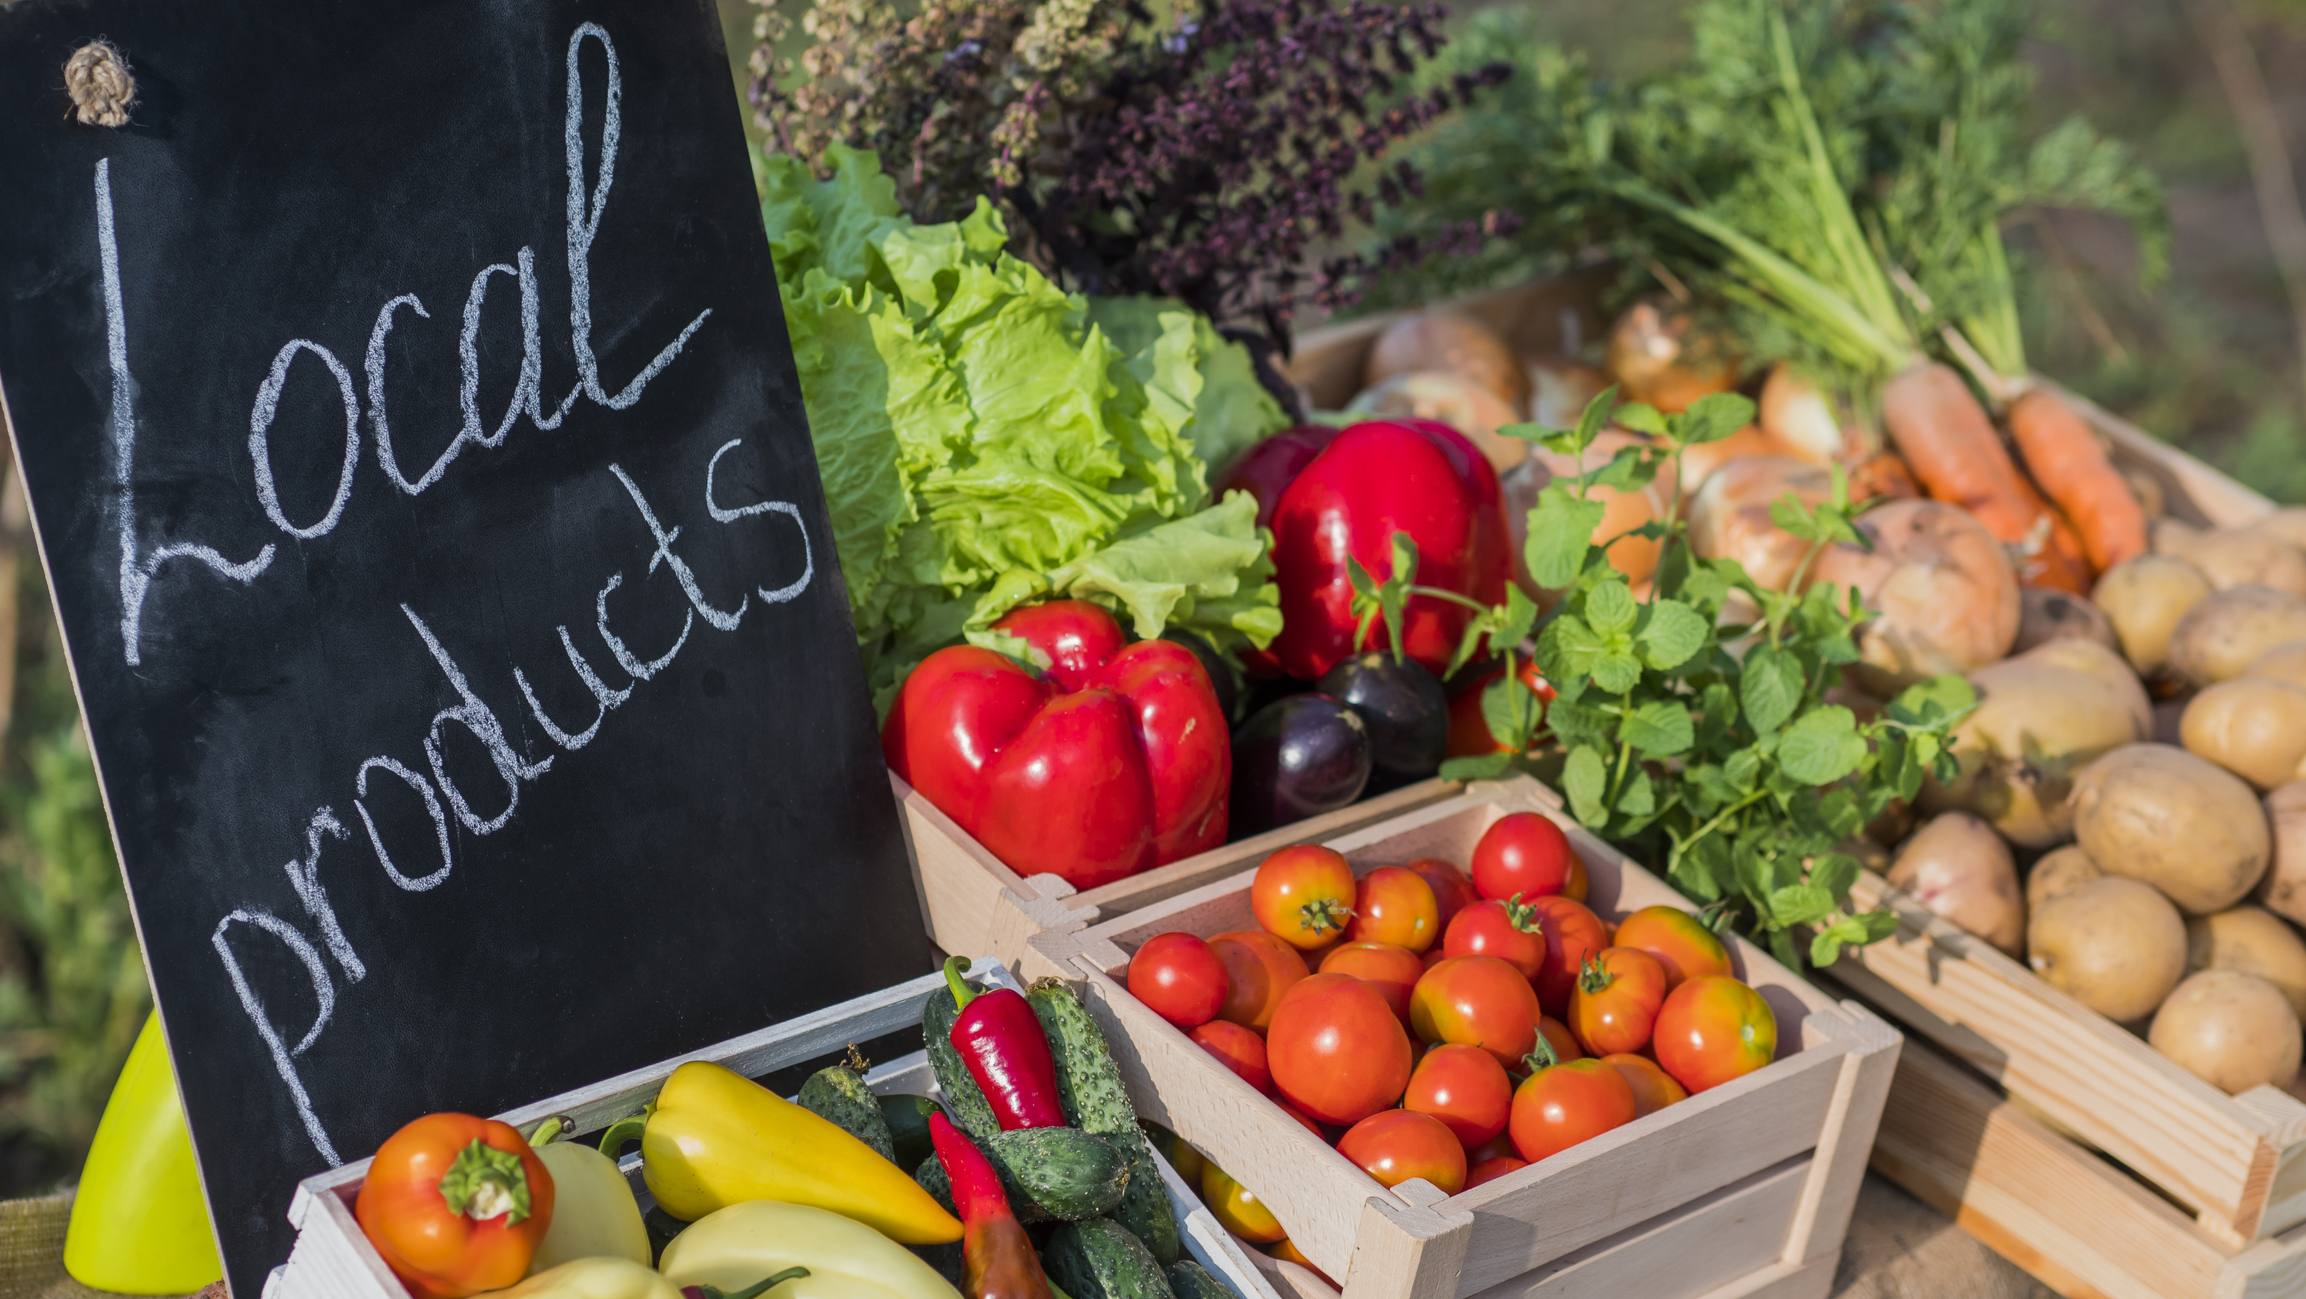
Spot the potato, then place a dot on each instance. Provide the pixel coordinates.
(1940, 587)
(2220, 637)
(2252, 940)
(2232, 557)
(2287, 523)
(1959, 868)
(1799, 415)
(1636, 557)
(1658, 358)
(1461, 403)
(2144, 598)
(2251, 726)
(2283, 890)
(1560, 389)
(2232, 1030)
(2284, 662)
(2060, 872)
(2042, 718)
(1730, 518)
(2115, 945)
(1459, 345)
(2045, 615)
(2180, 823)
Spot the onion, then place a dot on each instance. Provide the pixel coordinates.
(1454, 400)
(1941, 590)
(1446, 341)
(1797, 413)
(1560, 389)
(1730, 517)
(1654, 356)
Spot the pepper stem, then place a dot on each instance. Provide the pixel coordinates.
(956, 971)
(551, 1130)
(760, 1287)
(486, 1183)
(628, 1128)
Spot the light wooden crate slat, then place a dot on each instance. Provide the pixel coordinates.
(1546, 1230)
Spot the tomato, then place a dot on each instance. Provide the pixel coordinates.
(1464, 1087)
(1489, 1170)
(1181, 1156)
(1680, 942)
(1572, 933)
(1653, 1088)
(1395, 905)
(1309, 1125)
(1432, 956)
(1566, 1104)
(1522, 853)
(1396, 1145)
(1452, 888)
(1237, 1049)
(1287, 1251)
(1713, 1029)
(1259, 968)
(1499, 1146)
(1393, 971)
(1303, 895)
(1236, 1209)
(1476, 1001)
(1557, 1035)
(1575, 889)
(1507, 930)
(1615, 1003)
(1336, 1050)
(1180, 978)
(1469, 734)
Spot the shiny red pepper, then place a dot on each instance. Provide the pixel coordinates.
(997, 1257)
(1375, 479)
(1000, 1039)
(1114, 760)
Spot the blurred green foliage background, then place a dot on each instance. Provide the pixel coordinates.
(2211, 362)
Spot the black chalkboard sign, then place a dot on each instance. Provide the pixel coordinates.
(420, 470)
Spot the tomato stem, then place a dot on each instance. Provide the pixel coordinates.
(1541, 1055)
(1324, 913)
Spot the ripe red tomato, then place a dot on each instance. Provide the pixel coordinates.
(1489, 1170)
(1469, 734)
(1566, 1104)
(1653, 1088)
(1180, 978)
(1452, 888)
(1336, 1050)
(1501, 1144)
(1303, 895)
(1507, 930)
(1395, 905)
(1393, 971)
(1396, 1145)
(1236, 1209)
(1523, 853)
(1432, 956)
(1464, 1087)
(1615, 1003)
(1237, 1049)
(1259, 968)
(1572, 933)
(1476, 1001)
(1309, 1125)
(1575, 889)
(1713, 1029)
(1683, 945)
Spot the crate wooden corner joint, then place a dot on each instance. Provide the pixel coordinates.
(1742, 1190)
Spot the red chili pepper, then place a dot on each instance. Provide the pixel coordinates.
(997, 1256)
(1000, 1040)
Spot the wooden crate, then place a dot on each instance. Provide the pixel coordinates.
(333, 1259)
(1742, 1190)
(976, 904)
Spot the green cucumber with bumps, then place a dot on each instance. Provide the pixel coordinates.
(1190, 1280)
(1089, 1085)
(839, 1096)
(1062, 1173)
(1101, 1259)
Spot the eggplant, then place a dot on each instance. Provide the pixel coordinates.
(1404, 707)
(1297, 757)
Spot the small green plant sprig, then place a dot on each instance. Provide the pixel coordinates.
(1692, 726)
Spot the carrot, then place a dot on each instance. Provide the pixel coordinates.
(1958, 458)
(2065, 458)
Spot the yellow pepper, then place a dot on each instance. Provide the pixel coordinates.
(594, 1214)
(139, 1224)
(715, 1138)
(845, 1259)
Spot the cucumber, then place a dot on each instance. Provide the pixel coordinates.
(839, 1096)
(1101, 1259)
(964, 1104)
(1190, 1280)
(1048, 1173)
(1089, 1084)
(908, 1120)
(931, 1176)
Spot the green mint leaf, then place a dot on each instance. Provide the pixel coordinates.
(1933, 703)
(1489, 766)
(1835, 872)
(1616, 671)
(1364, 586)
(1578, 723)
(1584, 779)
(1670, 633)
(1610, 609)
(1741, 769)
(1660, 728)
(1825, 947)
(1791, 515)
(1712, 417)
(1822, 746)
(1640, 418)
(1477, 629)
(1510, 711)
(1800, 904)
(1631, 469)
(1876, 925)
(1515, 620)
(1640, 797)
(1404, 559)
(1596, 416)
(1769, 687)
(1782, 947)
(1560, 533)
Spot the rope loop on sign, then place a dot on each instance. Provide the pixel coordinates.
(97, 78)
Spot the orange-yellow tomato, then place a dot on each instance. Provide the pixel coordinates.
(1566, 1104)
(1713, 1029)
(1464, 1087)
(1303, 895)
(1683, 945)
(1653, 1088)
(1615, 1002)
(1236, 1209)
(1259, 969)
(1395, 905)
(1394, 1146)
(1476, 1001)
(1393, 971)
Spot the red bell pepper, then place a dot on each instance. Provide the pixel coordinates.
(997, 1258)
(1266, 469)
(455, 1204)
(1386, 476)
(1113, 760)
(999, 1037)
